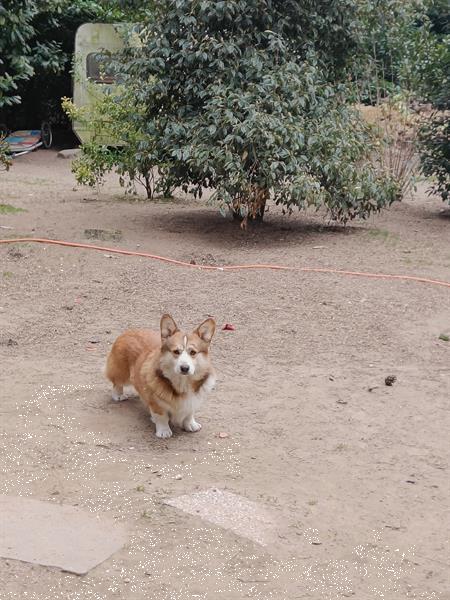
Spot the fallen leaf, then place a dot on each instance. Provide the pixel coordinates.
(228, 327)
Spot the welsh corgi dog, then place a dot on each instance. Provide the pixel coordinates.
(170, 370)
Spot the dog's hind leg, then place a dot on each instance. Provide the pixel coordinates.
(118, 394)
(118, 374)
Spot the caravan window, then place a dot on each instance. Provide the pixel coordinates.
(97, 68)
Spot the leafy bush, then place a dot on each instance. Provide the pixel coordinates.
(244, 97)
(5, 161)
(15, 52)
(398, 126)
(403, 48)
(36, 49)
(116, 143)
(408, 45)
(434, 136)
(435, 153)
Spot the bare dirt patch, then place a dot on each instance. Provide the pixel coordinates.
(353, 471)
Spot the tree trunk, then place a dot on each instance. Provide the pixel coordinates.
(148, 185)
(256, 207)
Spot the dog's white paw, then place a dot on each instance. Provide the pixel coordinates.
(191, 425)
(163, 432)
(118, 397)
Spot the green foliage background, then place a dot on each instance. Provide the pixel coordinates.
(36, 52)
(245, 96)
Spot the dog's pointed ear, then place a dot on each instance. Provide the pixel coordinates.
(206, 330)
(168, 327)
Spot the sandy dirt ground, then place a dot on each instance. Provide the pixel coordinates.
(353, 472)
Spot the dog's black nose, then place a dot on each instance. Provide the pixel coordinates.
(184, 369)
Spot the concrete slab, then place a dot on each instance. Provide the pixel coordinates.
(230, 511)
(55, 535)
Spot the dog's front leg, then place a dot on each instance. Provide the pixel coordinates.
(162, 424)
(190, 424)
(210, 384)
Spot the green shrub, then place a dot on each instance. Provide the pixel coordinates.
(435, 153)
(247, 98)
(5, 161)
(434, 136)
(37, 40)
(116, 142)
(15, 52)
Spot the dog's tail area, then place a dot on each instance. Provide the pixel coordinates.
(117, 369)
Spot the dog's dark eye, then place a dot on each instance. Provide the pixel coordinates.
(177, 352)
(192, 352)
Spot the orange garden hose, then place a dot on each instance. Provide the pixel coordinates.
(229, 267)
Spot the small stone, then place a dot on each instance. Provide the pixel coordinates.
(223, 434)
(103, 234)
(69, 153)
(178, 477)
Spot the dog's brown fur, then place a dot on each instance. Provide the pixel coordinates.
(151, 361)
